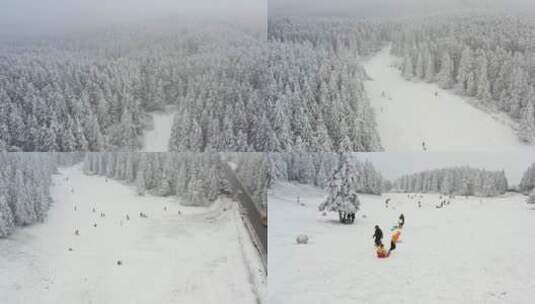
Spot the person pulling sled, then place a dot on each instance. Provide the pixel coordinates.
(401, 221)
(378, 236)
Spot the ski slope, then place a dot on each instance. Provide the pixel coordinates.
(203, 255)
(471, 251)
(409, 114)
(157, 138)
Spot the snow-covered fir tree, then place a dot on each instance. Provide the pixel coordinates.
(342, 197)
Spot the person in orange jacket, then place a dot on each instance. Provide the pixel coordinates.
(395, 235)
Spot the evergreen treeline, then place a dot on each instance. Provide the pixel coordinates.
(197, 178)
(253, 172)
(317, 168)
(527, 183)
(194, 177)
(25, 180)
(91, 91)
(458, 181)
(490, 58)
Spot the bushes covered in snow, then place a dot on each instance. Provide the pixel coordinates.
(461, 181)
(25, 179)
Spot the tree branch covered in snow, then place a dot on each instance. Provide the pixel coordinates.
(486, 57)
(459, 181)
(317, 168)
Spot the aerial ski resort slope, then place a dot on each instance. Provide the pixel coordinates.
(411, 113)
(175, 254)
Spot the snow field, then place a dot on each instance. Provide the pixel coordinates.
(471, 251)
(409, 113)
(157, 138)
(200, 256)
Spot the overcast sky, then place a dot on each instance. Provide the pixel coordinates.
(50, 16)
(393, 165)
(385, 8)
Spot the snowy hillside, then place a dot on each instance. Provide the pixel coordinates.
(157, 138)
(202, 255)
(471, 251)
(409, 113)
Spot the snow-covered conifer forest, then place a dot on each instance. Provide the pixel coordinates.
(317, 168)
(486, 57)
(91, 91)
(304, 89)
(25, 181)
(454, 181)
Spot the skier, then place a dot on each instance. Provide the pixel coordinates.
(386, 202)
(378, 236)
(423, 146)
(419, 204)
(401, 221)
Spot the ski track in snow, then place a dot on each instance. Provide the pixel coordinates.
(197, 257)
(471, 251)
(410, 114)
(157, 138)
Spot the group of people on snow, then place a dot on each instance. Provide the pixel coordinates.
(347, 217)
(378, 238)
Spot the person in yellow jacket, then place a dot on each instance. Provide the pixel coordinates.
(395, 235)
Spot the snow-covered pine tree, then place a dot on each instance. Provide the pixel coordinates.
(7, 222)
(526, 131)
(342, 197)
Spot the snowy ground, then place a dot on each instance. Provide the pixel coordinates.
(201, 256)
(472, 251)
(409, 113)
(157, 138)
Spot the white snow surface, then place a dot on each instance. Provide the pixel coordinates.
(475, 250)
(201, 256)
(157, 138)
(409, 113)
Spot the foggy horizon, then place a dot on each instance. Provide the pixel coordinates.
(393, 8)
(393, 165)
(28, 18)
